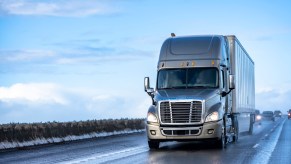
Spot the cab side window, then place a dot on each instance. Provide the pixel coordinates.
(222, 78)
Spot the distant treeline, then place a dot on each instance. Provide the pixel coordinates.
(29, 131)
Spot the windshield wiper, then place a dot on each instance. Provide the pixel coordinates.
(181, 87)
(200, 86)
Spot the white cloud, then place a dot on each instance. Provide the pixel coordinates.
(273, 99)
(99, 55)
(64, 8)
(35, 102)
(263, 90)
(101, 97)
(117, 106)
(33, 92)
(25, 55)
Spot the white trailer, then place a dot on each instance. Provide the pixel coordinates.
(243, 96)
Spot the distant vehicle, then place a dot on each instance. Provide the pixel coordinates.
(258, 117)
(289, 114)
(277, 113)
(268, 115)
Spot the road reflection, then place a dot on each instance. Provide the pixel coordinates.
(186, 152)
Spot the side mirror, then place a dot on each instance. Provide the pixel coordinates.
(147, 87)
(231, 82)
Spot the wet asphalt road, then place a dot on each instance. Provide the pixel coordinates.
(270, 143)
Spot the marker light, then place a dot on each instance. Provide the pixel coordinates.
(182, 64)
(212, 62)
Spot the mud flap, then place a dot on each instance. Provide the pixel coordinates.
(252, 120)
(235, 128)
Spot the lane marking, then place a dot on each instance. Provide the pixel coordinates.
(98, 158)
(255, 146)
(264, 154)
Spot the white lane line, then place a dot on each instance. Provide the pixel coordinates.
(267, 147)
(98, 158)
(255, 146)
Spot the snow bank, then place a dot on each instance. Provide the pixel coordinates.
(40, 141)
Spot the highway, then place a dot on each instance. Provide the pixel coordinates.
(270, 143)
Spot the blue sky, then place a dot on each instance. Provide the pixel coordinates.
(77, 60)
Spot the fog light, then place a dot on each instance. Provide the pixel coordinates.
(153, 132)
(210, 131)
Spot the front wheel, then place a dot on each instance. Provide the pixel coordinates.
(221, 143)
(154, 144)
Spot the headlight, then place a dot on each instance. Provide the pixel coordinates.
(214, 116)
(152, 118)
(258, 117)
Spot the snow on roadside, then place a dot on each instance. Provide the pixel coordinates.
(40, 141)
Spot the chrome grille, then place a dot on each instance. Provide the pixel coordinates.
(180, 112)
(181, 132)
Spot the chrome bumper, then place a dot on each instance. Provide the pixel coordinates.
(210, 130)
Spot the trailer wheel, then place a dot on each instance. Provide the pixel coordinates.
(153, 144)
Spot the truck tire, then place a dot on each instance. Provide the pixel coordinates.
(153, 144)
(221, 143)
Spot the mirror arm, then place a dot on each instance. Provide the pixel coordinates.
(223, 94)
(151, 94)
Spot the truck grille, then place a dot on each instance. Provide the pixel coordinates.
(181, 132)
(180, 112)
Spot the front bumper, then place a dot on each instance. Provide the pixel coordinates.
(207, 131)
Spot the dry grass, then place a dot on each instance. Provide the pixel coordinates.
(26, 132)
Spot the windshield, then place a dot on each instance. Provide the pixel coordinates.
(188, 78)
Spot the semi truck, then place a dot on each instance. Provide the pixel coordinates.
(205, 91)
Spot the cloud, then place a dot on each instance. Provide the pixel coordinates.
(62, 8)
(26, 55)
(35, 102)
(90, 56)
(273, 99)
(85, 55)
(38, 93)
(117, 106)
